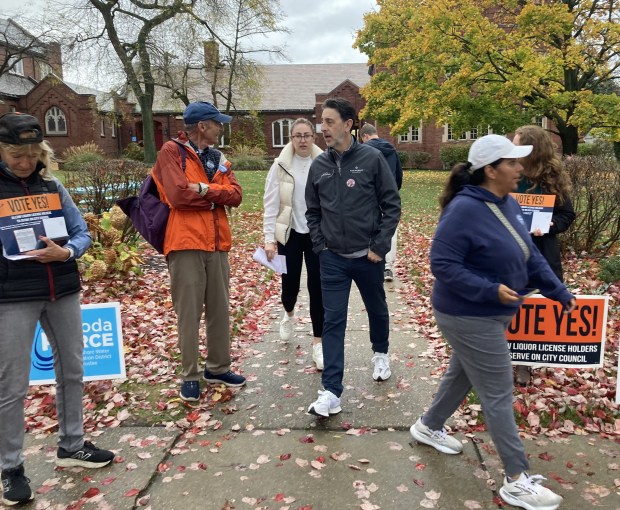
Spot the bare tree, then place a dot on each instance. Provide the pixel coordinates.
(17, 43)
(226, 61)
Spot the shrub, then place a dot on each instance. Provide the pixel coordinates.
(247, 162)
(99, 184)
(404, 157)
(133, 151)
(248, 157)
(419, 158)
(585, 149)
(609, 269)
(453, 154)
(596, 199)
(74, 158)
(114, 249)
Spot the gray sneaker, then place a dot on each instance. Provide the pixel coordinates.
(438, 439)
(528, 492)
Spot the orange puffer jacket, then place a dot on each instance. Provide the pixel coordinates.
(195, 222)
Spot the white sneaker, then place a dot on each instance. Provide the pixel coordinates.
(317, 355)
(438, 439)
(326, 404)
(286, 327)
(382, 370)
(528, 492)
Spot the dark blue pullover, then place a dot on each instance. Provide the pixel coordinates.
(473, 253)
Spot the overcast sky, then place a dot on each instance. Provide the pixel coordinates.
(322, 31)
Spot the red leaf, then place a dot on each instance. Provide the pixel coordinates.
(91, 493)
(132, 492)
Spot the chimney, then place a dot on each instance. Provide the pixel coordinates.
(212, 55)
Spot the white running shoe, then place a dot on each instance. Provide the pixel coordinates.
(438, 439)
(382, 370)
(286, 327)
(528, 492)
(317, 355)
(325, 405)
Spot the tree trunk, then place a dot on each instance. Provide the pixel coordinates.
(570, 139)
(148, 131)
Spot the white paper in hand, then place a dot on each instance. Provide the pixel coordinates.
(278, 263)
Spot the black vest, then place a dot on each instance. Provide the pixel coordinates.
(26, 280)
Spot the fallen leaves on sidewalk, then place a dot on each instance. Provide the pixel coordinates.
(559, 401)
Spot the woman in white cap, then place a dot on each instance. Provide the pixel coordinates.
(482, 256)
(284, 222)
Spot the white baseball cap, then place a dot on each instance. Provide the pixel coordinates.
(490, 148)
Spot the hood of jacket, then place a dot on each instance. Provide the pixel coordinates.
(482, 194)
(386, 148)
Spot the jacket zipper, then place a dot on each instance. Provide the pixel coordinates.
(50, 274)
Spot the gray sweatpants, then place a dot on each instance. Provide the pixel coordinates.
(62, 322)
(480, 358)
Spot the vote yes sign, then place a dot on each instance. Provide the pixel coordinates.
(542, 334)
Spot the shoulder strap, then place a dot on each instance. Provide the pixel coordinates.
(507, 224)
(183, 152)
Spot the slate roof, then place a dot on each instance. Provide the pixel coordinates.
(15, 85)
(284, 87)
(14, 35)
(293, 86)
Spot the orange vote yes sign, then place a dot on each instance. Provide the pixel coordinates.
(541, 333)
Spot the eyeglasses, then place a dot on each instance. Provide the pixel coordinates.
(299, 138)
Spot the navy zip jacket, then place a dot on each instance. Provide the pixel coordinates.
(391, 156)
(473, 253)
(352, 201)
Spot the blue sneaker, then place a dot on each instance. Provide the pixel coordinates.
(228, 378)
(190, 391)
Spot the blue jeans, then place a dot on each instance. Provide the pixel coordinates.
(337, 273)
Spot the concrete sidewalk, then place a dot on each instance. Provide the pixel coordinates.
(261, 450)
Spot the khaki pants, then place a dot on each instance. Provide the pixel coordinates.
(199, 283)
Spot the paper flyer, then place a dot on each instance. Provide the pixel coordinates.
(23, 219)
(537, 210)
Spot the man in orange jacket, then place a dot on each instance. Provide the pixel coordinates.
(196, 181)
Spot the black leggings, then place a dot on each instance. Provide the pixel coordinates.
(298, 247)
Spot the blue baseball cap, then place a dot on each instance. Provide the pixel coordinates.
(201, 110)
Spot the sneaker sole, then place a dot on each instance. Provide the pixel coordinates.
(219, 381)
(8, 502)
(379, 379)
(189, 399)
(511, 500)
(425, 440)
(66, 463)
(331, 413)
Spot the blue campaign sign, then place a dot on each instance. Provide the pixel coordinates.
(103, 346)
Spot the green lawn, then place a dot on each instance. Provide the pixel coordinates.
(419, 193)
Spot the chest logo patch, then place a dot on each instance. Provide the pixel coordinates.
(350, 183)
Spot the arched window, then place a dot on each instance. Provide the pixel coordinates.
(55, 121)
(280, 132)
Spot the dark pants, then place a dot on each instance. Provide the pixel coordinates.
(298, 247)
(337, 273)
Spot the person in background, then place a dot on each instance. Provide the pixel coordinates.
(368, 135)
(44, 287)
(284, 221)
(353, 210)
(543, 174)
(197, 243)
(479, 267)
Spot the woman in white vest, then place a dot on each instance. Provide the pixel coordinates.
(286, 231)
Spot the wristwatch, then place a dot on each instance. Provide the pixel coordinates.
(202, 189)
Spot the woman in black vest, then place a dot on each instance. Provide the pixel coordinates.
(39, 282)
